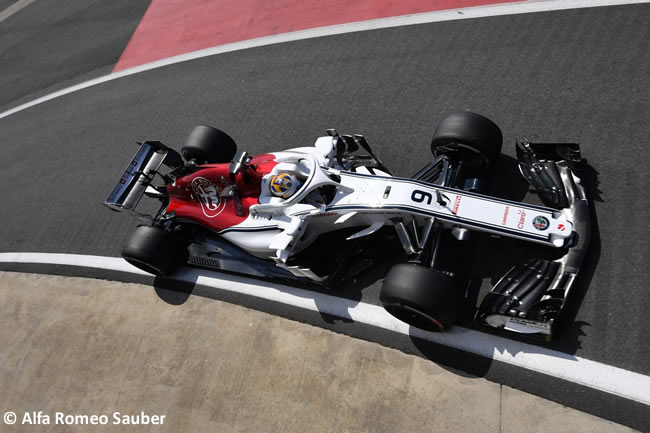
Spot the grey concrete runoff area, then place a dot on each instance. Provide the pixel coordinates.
(78, 347)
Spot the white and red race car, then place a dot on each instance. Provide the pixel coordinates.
(274, 216)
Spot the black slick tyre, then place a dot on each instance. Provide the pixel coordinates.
(475, 138)
(154, 250)
(208, 145)
(421, 296)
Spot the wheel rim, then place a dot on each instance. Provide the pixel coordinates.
(466, 152)
(413, 316)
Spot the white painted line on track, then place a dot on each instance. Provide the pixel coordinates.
(523, 7)
(20, 4)
(602, 377)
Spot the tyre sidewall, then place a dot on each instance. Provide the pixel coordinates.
(209, 145)
(425, 290)
(154, 250)
(471, 130)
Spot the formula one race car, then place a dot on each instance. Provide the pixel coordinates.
(280, 215)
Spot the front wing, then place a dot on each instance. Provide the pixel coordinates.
(530, 296)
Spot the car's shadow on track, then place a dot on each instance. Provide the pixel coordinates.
(505, 181)
(280, 297)
(172, 291)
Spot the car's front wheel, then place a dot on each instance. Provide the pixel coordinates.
(421, 296)
(473, 138)
(154, 250)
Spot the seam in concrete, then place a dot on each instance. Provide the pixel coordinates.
(500, 407)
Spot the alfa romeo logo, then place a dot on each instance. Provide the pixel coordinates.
(209, 195)
(540, 222)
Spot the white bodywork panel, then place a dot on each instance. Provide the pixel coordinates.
(277, 228)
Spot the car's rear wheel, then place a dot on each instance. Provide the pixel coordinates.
(421, 296)
(154, 250)
(208, 145)
(473, 138)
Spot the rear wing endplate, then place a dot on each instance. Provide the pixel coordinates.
(139, 174)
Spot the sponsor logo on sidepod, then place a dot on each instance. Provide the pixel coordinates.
(209, 196)
(504, 221)
(522, 219)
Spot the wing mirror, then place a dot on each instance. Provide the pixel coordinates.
(238, 162)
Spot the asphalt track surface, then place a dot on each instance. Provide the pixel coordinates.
(563, 76)
(5, 4)
(51, 44)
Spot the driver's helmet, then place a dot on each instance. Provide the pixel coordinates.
(284, 185)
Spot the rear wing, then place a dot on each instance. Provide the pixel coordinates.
(139, 174)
